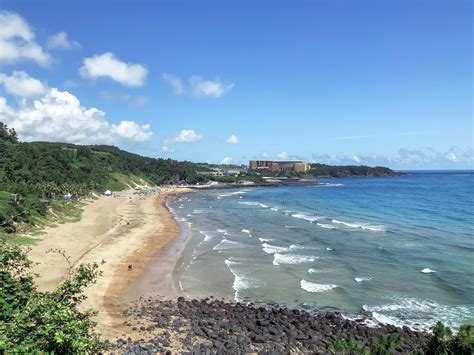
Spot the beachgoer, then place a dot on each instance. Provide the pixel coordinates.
(130, 267)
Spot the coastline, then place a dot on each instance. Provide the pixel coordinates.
(124, 230)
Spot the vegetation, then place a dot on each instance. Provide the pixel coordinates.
(323, 170)
(49, 322)
(384, 346)
(443, 342)
(35, 176)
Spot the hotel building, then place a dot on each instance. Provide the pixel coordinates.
(279, 165)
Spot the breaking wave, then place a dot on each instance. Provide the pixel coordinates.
(419, 313)
(364, 226)
(313, 287)
(292, 259)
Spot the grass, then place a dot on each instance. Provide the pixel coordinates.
(121, 182)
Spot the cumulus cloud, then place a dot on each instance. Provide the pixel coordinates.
(233, 139)
(211, 88)
(59, 116)
(175, 83)
(21, 84)
(132, 131)
(282, 155)
(108, 65)
(17, 41)
(185, 136)
(197, 86)
(61, 41)
(227, 160)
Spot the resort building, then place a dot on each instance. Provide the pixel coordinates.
(279, 165)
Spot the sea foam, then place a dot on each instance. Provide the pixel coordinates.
(313, 287)
(226, 244)
(247, 231)
(419, 314)
(427, 271)
(364, 226)
(241, 280)
(363, 278)
(272, 249)
(310, 219)
(250, 203)
(292, 259)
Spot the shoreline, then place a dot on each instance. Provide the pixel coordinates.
(128, 286)
(122, 230)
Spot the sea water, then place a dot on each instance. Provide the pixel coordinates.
(398, 249)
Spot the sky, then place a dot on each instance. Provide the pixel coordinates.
(341, 82)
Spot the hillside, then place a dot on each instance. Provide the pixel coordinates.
(341, 171)
(34, 175)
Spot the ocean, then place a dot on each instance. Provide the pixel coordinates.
(396, 249)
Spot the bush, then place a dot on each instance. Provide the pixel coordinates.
(443, 342)
(32, 321)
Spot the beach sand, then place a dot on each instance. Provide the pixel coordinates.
(121, 231)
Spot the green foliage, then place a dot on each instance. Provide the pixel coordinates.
(33, 321)
(323, 170)
(33, 176)
(443, 342)
(7, 133)
(348, 346)
(386, 345)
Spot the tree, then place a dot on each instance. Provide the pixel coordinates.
(8, 133)
(32, 321)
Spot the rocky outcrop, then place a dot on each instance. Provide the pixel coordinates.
(214, 326)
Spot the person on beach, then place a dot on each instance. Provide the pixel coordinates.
(130, 267)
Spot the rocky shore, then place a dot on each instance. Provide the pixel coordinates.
(211, 326)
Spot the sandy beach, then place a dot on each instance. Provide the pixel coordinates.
(124, 230)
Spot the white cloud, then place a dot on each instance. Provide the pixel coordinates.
(107, 65)
(165, 148)
(17, 41)
(406, 158)
(233, 139)
(265, 154)
(282, 155)
(451, 156)
(61, 41)
(21, 84)
(185, 136)
(227, 160)
(132, 131)
(213, 88)
(197, 86)
(175, 83)
(59, 116)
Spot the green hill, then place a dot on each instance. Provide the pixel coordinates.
(34, 176)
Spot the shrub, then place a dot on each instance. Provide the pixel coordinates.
(32, 321)
(443, 342)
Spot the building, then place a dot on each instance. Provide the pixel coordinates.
(286, 166)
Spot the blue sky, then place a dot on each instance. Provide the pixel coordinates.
(359, 82)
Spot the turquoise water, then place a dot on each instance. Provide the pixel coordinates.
(399, 249)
